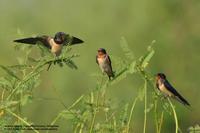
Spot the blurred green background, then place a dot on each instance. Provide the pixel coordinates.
(174, 24)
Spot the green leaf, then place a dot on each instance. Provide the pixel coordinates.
(121, 74)
(149, 108)
(32, 60)
(145, 60)
(26, 99)
(141, 94)
(194, 129)
(6, 104)
(4, 83)
(8, 71)
(44, 51)
(19, 67)
(124, 115)
(67, 115)
(71, 64)
(126, 49)
(131, 68)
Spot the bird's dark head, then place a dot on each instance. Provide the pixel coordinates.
(60, 37)
(160, 76)
(101, 51)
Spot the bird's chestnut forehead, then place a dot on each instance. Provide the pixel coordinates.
(101, 55)
(161, 75)
(158, 78)
(102, 50)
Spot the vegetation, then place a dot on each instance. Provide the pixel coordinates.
(93, 111)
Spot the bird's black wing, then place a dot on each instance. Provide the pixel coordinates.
(34, 40)
(110, 63)
(97, 60)
(71, 40)
(173, 90)
(109, 60)
(76, 40)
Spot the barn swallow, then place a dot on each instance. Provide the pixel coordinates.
(104, 62)
(54, 44)
(167, 89)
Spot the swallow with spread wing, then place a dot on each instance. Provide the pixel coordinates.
(167, 89)
(54, 44)
(104, 62)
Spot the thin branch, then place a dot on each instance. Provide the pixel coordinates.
(161, 122)
(155, 115)
(175, 116)
(131, 113)
(70, 107)
(22, 120)
(145, 106)
(93, 120)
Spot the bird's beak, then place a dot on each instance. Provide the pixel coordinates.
(76, 40)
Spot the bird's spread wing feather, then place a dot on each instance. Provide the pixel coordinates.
(71, 40)
(34, 40)
(173, 90)
(76, 40)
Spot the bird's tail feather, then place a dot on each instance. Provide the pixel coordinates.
(182, 100)
(111, 75)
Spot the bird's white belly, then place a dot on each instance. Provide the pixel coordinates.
(165, 90)
(103, 65)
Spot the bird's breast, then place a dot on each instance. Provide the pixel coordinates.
(165, 90)
(103, 64)
(55, 48)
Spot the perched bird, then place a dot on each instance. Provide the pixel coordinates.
(167, 89)
(54, 44)
(104, 62)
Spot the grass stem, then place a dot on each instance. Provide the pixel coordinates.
(145, 106)
(175, 116)
(131, 113)
(22, 120)
(70, 107)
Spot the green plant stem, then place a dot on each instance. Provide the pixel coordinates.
(19, 105)
(36, 71)
(95, 112)
(2, 95)
(26, 78)
(175, 116)
(145, 106)
(131, 113)
(81, 128)
(102, 87)
(158, 122)
(93, 120)
(76, 128)
(22, 120)
(70, 107)
(155, 115)
(161, 122)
